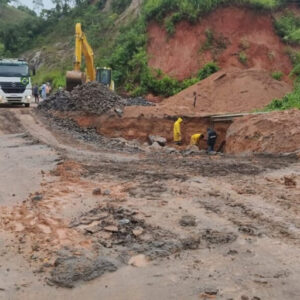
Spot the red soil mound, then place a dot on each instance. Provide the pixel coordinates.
(273, 132)
(232, 91)
(182, 55)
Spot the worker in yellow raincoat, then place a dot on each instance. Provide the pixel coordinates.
(195, 139)
(177, 131)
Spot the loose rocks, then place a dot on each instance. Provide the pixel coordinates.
(158, 139)
(97, 191)
(217, 237)
(69, 270)
(188, 220)
(138, 101)
(155, 146)
(92, 97)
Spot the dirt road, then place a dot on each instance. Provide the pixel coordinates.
(90, 218)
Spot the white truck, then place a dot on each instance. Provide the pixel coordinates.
(15, 82)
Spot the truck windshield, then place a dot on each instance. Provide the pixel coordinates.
(13, 70)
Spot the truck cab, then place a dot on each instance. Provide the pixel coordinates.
(15, 82)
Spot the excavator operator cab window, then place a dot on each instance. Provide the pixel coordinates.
(104, 76)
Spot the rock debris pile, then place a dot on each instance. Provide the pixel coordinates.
(91, 97)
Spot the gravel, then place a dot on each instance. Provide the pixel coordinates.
(91, 97)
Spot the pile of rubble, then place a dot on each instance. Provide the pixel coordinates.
(138, 101)
(92, 97)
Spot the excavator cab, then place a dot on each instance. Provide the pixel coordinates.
(104, 76)
(76, 77)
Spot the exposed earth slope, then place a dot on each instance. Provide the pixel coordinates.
(220, 36)
(228, 91)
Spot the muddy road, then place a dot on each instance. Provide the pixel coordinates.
(86, 217)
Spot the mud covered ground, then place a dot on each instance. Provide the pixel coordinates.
(106, 219)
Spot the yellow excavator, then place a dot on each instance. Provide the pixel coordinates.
(76, 77)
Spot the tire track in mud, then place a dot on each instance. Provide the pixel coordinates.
(9, 123)
(250, 219)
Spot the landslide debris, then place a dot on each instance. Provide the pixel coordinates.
(227, 91)
(274, 132)
(70, 269)
(91, 97)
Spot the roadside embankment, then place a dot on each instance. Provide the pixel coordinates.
(273, 132)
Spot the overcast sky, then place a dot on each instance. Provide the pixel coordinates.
(47, 3)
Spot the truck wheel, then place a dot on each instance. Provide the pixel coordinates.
(27, 104)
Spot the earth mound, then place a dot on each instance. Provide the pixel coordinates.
(91, 97)
(274, 132)
(228, 91)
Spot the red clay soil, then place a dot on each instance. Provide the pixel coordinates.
(273, 132)
(247, 30)
(230, 91)
(140, 128)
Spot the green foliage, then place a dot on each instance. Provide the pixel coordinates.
(264, 4)
(243, 57)
(129, 59)
(118, 6)
(209, 41)
(191, 10)
(127, 53)
(18, 37)
(277, 75)
(101, 4)
(291, 100)
(207, 70)
(57, 78)
(288, 27)
(2, 50)
(296, 70)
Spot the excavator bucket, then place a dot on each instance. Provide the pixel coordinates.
(74, 78)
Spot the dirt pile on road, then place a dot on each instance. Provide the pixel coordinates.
(92, 97)
(273, 132)
(228, 91)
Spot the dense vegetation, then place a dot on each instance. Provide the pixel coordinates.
(291, 100)
(129, 59)
(288, 27)
(124, 48)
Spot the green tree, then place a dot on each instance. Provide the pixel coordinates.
(38, 5)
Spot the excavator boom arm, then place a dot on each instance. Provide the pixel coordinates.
(82, 47)
(89, 59)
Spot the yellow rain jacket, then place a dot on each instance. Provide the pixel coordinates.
(195, 138)
(177, 131)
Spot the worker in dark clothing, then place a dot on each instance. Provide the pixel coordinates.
(211, 139)
(35, 92)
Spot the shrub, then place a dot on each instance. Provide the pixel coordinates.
(296, 70)
(291, 100)
(209, 34)
(264, 4)
(288, 27)
(119, 6)
(244, 44)
(277, 75)
(57, 78)
(243, 57)
(2, 50)
(207, 70)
